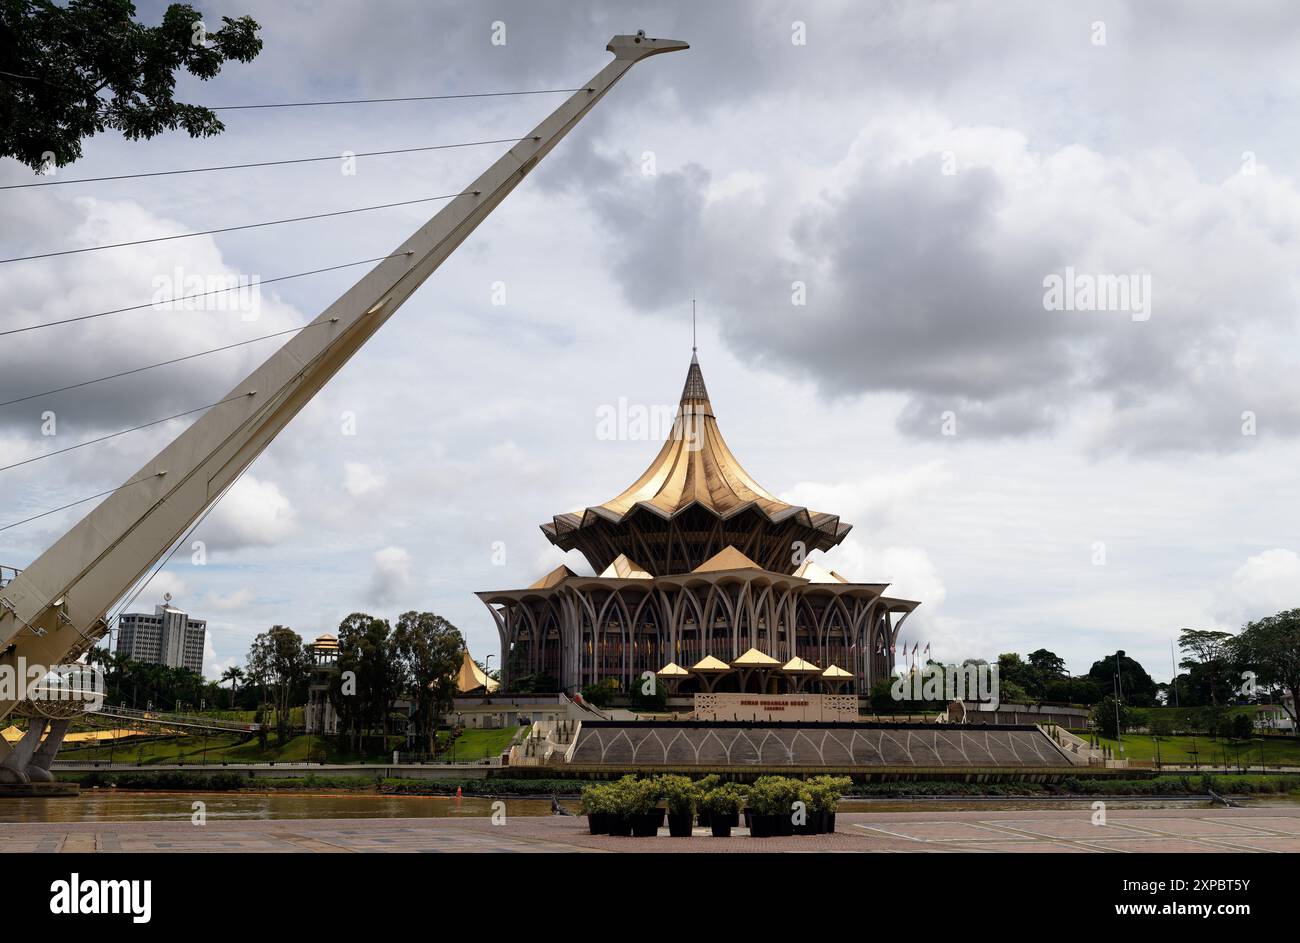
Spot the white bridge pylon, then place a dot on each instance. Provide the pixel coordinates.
(54, 610)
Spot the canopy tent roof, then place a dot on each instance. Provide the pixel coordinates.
(471, 677)
(553, 578)
(814, 573)
(709, 664)
(836, 673)
(695, 469)
(755, 659)
(799, 666)
(728, 558)
(673, 670)
(624, 569)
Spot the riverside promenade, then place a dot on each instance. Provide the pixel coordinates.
(1264, 829)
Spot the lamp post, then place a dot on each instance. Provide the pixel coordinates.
(1119, 693)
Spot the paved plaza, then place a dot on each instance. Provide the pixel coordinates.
(1268, 829)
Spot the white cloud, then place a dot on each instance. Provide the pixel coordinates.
(391, 576)
(1265, 584)
(163, 582)
(253, 513)
(236, 600)
(360, 479)
(869, 501)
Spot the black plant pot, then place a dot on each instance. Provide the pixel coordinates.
(703, 818)
(599, 822)
(828, 823)
(721, 828)
(679, 825)
(620, 826)
(784, 825)
(811, 826)
(646, 825)
(761, 826)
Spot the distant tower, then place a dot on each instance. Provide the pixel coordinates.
(319, 715)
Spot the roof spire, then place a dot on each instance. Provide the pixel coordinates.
(693, 360)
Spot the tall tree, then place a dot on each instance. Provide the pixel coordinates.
(1137, 687)
(1049, 665)
(234, 674)
(70, 72)
(277, 655)
(1271, 648)
(369, 675)
(430, 650)
(1209, 655)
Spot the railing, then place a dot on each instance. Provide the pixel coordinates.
(1075, 746)
(176, 720)
(7, 575)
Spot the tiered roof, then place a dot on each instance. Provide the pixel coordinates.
(697, 482)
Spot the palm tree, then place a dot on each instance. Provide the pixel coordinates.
(234, 674)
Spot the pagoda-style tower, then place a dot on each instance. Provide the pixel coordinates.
(704, 581)
(693, 501)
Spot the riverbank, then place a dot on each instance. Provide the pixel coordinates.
(505, 786)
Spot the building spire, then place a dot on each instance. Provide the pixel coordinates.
(694, 391)
(693, 360)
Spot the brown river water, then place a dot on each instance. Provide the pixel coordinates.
(121, 806)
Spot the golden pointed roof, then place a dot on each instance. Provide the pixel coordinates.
(709, 663)
(673, 670)
(695, 465)
(471, 677)
(694, 469)
(755, 659)
(835, 672)
(728, 558)
(624, 569)
(798, 666)
(553, 578)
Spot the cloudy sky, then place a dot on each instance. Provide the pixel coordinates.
(913, 173)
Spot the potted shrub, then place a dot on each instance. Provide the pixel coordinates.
(624, 801)
(723, 806)
(703, 785)
(771, 806)
(681, 797)
(812, 819)
(762, 808)
(636, 806)
(597, 803)
(825, 794)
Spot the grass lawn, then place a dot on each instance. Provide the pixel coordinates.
(219, 748)
(1271, 751)
(473, 744)
(476, 743)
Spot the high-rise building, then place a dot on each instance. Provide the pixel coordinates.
(168, 637)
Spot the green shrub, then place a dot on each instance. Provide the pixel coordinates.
(632, 796)
(598, 799)
(824, 792)
(723, 800)
(776, 795)
(681, 795)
